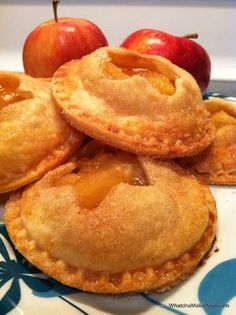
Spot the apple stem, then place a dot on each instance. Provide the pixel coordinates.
(55, 4)
(193, 35)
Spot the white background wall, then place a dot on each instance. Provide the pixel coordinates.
(213, 20)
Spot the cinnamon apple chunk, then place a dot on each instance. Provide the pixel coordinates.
(97, 176)
(10, 92)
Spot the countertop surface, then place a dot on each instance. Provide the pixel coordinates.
(227, 88)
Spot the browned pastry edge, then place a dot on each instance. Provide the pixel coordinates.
(95, 128)
(159, 279)
(223, 177)
(106, 131)
(52, 160)
(215, 105)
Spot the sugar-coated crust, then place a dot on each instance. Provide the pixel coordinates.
(217, 164)
(49, 162)
(215, 105)
(34, 138)
(130, 114)
(149, 277)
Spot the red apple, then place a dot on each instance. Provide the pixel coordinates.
(55, 42)
(182, 51)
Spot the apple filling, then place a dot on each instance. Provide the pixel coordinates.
(124, 67)
(222, 118)
(9, 92)
(97, 176)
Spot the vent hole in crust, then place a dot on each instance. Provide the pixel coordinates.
(9, 91)
(122, 67)
(99, 169)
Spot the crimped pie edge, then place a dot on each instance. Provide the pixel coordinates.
(160, 278)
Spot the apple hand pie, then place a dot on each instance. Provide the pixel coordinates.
(138, 103)
(33, 137)
(129, 229)
(217, 164)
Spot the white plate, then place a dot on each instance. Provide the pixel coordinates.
(24, 290)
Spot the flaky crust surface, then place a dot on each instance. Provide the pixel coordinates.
(217, 164)
(139, 238)
(33, 136)
(131, 114)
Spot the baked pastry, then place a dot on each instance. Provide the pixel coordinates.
(217, 164)
(33, 136)
(129, 229)
(138, 103)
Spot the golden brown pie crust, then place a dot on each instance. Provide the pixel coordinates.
(139, 238)
(217, 164)
(33, 137)
(130, 113)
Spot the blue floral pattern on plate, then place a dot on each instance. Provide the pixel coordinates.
(210, 292)
(19, 268)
